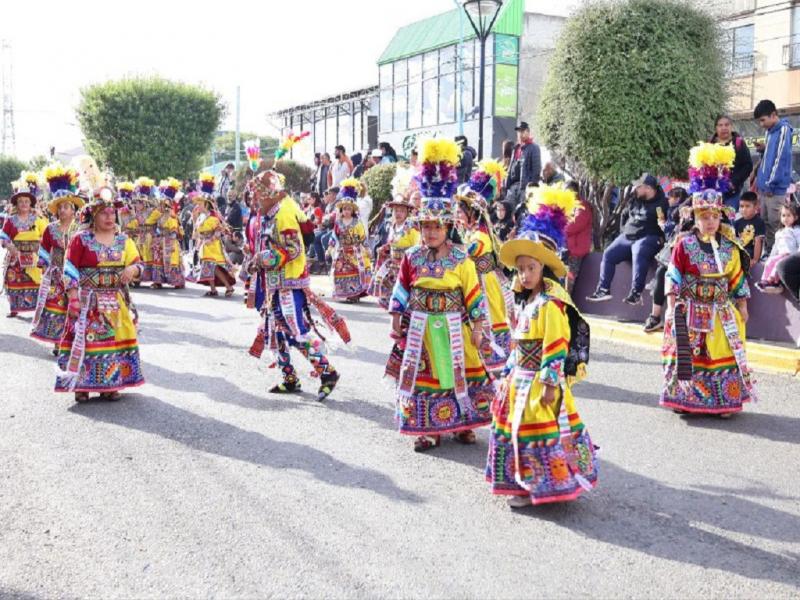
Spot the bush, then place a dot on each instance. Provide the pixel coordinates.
(379, 184)
(297, 175)
(10, 168)
(149, 126)
(632, 85)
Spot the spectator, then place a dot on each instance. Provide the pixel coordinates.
(234, 247)
(322, 235)
(366, 164)
(503, 221)
(775, 171)
(579, 237)
(321, 176)
(224, 187)
(639, 241)
(750, 228)
(742, 164)
(468, 156)
(787, 242)
(387, 153)
(234, 216)
(365, 205)
(789, 273)
(679, 218)
(526, 163)
(187, 222)
(312, 208)
(340, 168)
(508, 153)
(550, 174)
(414, 157)
(312, 181)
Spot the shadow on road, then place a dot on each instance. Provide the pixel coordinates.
(591, 390)
(150, 415)
(618, 359)
(777, 428)
(640, 513)
(177, 313)
(25, 346)
(155, 333)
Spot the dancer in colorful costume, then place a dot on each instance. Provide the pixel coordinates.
(166, 246)
(442, 386)
(21, 236)
(126, 214)
(482, 246)
(705, 362)
(215, 268)
(283, 289)
(352, 268)
(403, 234)
(51, 304)
(146, 225)
(540, 450)
(99, 351)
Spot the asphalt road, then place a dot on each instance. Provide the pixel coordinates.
(200, 484)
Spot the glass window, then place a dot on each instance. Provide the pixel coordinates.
(430, 97)
(430, 64)
(400, 108)
(488, 87)
(400, 71)
(414, 104)
(415, 68)
(385, 75)
(346, 131)
(447, 98)
(386, 110)
(467, 100)
(743, 46)
(793, 60)
(447, 60)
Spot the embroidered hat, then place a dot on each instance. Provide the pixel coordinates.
(349, 190)
(709, 175)
(437, 179)
(63, 184)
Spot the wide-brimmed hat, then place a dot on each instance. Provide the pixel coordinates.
(542, 234)
(349, 191)
(400, 201)
(63, 184)
(437, 180)
(27, 186)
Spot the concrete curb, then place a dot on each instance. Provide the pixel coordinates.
(767, 358)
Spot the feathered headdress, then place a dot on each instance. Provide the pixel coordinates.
(401, 187)
(437, 179)
(144, 186)
(101, 198)
(207, 184)
(288, 143)
(542, 234)
(349, 189)
(63, 184)
(169, 187)
(125, 190)
(253, 151)
(487, 179)
(26, 186)
(709, 174)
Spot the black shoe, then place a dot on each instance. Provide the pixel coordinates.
(287, 387)
(327, 385)
(652, 324)
(600, 295)
(634, 298)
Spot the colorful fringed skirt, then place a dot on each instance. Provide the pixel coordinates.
(351, 273)
(385, 277)
(21, 288)
(51, 307)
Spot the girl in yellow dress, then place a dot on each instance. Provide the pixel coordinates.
(403, 234)
(99, 351)
(482, 246)
(21, 235)
(352, 268)
(540, 450)
(215, 268)
(166, 248)
(437, 320)
(705, 362)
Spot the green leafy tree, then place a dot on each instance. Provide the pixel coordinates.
(149, 126)
(379, 185)
(632, 86)
(37, 163)
(10, 168)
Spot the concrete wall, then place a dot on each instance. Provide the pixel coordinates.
(536, 46)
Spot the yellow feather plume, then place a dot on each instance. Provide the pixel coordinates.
(125, 186)
(706, 154)
(350, 182)
(493, 168)
(206, 177)
(170, 182)
(554, 196)
(145, 182)
(437, 150)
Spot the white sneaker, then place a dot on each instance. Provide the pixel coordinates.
(519, 501)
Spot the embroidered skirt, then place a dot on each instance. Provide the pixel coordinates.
(51, 308)
(21, 289)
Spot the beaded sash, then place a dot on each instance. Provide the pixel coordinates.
(28, 253)
(436, 301)
(486, 263)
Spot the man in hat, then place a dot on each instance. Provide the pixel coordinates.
(526, 164)
(282, 286)
(639, 241)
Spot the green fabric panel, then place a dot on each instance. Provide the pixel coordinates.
(440, 349)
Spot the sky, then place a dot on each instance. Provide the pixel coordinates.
(280, 53)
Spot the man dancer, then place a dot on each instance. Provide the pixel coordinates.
(279, 263)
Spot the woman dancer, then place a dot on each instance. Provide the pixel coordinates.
(167, 265)
(215, 268)
(352, 269)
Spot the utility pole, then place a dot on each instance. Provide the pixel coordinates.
(237, 137)
(9, 140)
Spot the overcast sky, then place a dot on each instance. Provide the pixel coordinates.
(281, 53)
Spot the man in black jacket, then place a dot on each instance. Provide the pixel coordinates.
(525, 167)
(639, 241)
(468, 156)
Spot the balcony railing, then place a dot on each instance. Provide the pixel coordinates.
(742, 64)
(791, 55)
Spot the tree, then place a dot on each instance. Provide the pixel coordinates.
(149, 126)
(224, 146)
(632, 86)
(38, 162)
(10, 168)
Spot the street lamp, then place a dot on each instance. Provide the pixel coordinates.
(482, 15)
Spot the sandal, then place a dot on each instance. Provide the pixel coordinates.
(11, 315)
(286, 387)
(211, 294)
(426, 442)
(229, 293)
(109, 396)
(81, 397)
(465, 437)
(328, 383)
(156, 286)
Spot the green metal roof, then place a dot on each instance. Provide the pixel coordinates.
(445, 29)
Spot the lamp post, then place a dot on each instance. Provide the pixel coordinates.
(482, 14)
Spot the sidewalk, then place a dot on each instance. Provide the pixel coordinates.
(770, 358)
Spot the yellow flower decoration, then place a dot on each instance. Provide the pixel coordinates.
(493, 168)
(125, 186)
(437, 150)
(706, 155)
(145, 182)
(555, 196)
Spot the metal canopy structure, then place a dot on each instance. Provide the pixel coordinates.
(315, 111)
